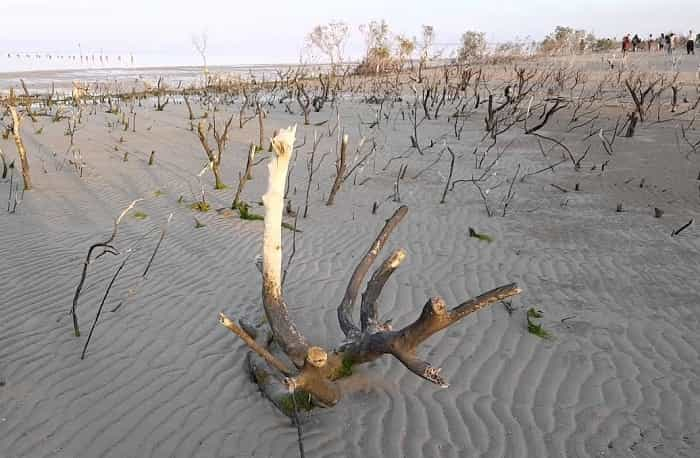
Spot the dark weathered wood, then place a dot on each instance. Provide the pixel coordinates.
(102, 303)
(347, 324)
(449, 176)
(369, 312)
(107, 248)
(682, 228)
(244, 177)
(403, 343)
(340, 167)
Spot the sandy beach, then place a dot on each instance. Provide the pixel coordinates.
(619, 376)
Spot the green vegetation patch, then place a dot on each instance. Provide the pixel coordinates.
(536, 328)
(302, 399)
(478, 236)
(201, 206)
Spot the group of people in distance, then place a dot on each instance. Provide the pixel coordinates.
(664, 43)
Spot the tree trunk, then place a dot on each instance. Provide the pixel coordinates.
(24, 161)
(218, 184)
(283, 328)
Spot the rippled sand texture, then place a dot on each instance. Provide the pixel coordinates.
(161, 378)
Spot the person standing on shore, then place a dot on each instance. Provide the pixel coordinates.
(669, 48)
(662, 42)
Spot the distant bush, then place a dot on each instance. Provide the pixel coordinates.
(564, 40)
(473, 46)
(603, 44)
(378, 58)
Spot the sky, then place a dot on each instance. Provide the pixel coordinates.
(248, 32)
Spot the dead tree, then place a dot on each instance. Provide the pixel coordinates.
(221, 139)
(4, 165)
(547, 114)
(244, 177)
(314, 370)
(72, 126)
(107, 248)
(242, 119)
(449, 176)
(632, 120)
(674, 97)
(160, 91)
(311, 170)
(189, 107)
(413, 116)
(261, 124)
(21, 151)
(644, 93)
(340, 166)
(304, 103)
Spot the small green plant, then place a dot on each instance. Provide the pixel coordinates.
(39, 130)
(201, 206)
(303, 402)
(245, 214)
(345, 369)
(482, 237)
(158, 193)
(180, 199)
(536, 328)
(140, 215)
(198, 224)
(289, 227)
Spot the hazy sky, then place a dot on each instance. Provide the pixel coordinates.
(252, 31)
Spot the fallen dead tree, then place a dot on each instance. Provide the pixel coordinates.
(286, 366)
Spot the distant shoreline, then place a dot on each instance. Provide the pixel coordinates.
(63, 78)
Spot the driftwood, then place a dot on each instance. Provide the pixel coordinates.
(313, 371)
